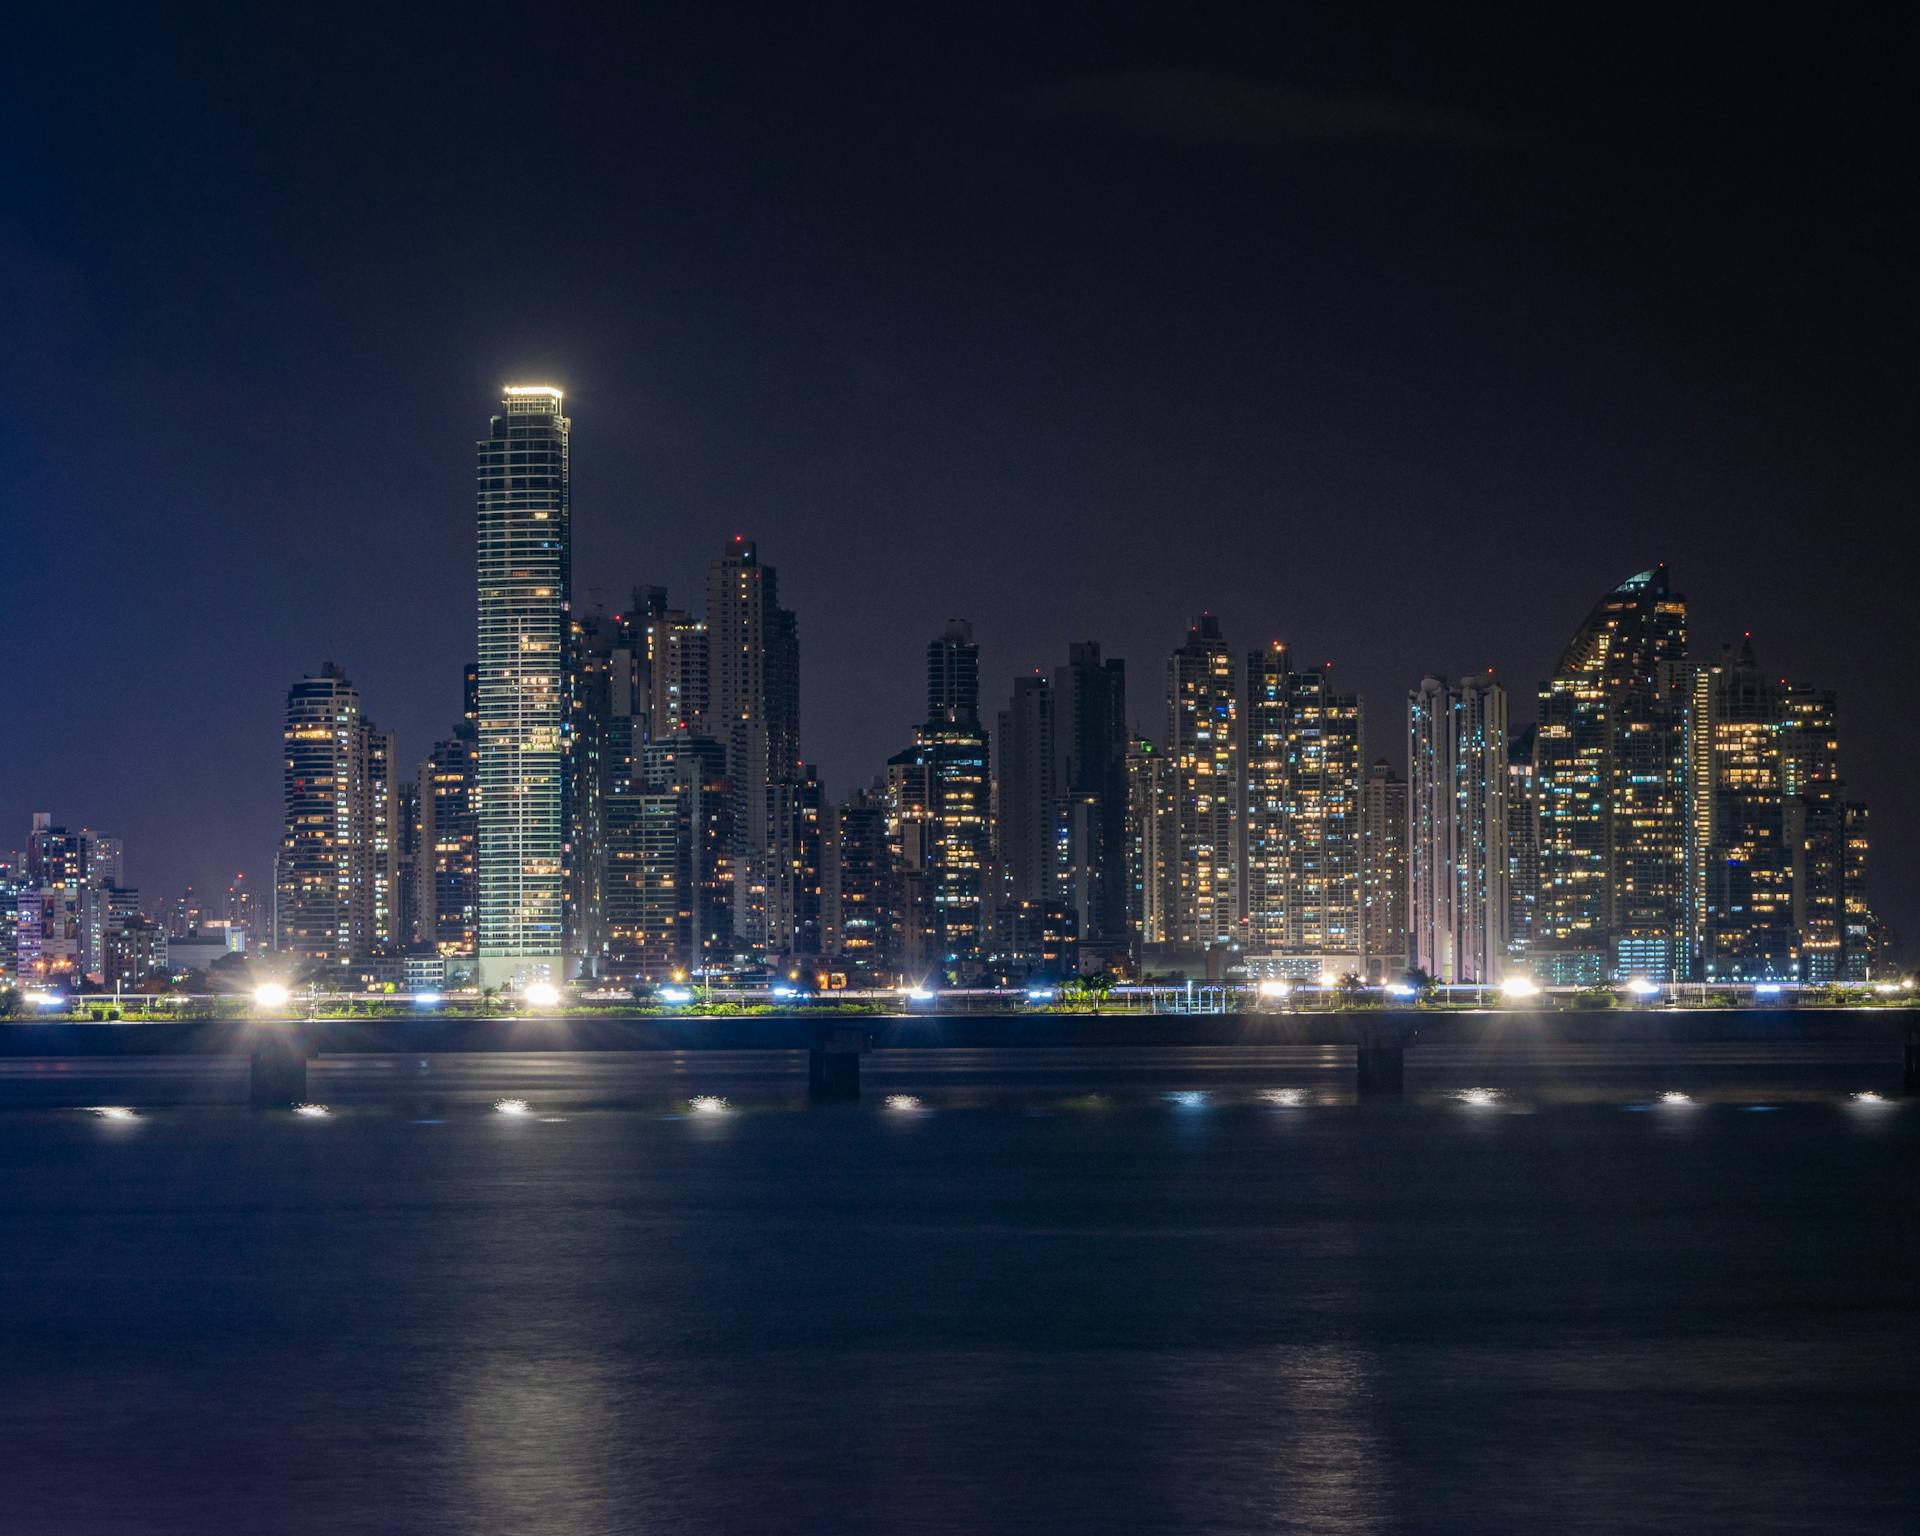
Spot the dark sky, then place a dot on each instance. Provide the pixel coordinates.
(1400, 337)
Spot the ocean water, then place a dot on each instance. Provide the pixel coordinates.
(1008, 1291)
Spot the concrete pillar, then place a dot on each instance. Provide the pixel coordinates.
(1383, 1068)
(278, 1079)
(833, 1061)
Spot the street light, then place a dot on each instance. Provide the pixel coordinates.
(542, 994)
(1516, 987)
(270, 996)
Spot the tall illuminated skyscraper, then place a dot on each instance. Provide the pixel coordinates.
(753, 681)
(1608, 761)
(525, 577)
(1457, 797)
(940, 791)
(1203, 741)
(1304, 762)
(1383, 872)
(335, 874)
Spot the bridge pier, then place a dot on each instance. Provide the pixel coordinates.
(1380, 1059)
(277, 1077)
(1383, 1070)
(833, 1061)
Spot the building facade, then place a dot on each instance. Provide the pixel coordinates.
(1457, 819)
(525, 570)
(1202, 900)
(1304, 755)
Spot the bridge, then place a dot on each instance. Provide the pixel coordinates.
(279, 1050)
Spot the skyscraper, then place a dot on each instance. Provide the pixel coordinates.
(795, 825)
(858, 901)
(447, 880)
(1523, 843)
(1383, 872)
(1457, 794)
(1150, 829)
(1303, 754)
(336, 870)
(1748, 932)
(525, 595)
(1203, 743)
(753, 666)
(1090, 705)
(1028, 801)
(1608, 758)
(941, 815)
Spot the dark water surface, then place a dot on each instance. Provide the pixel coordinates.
(1176, 1290)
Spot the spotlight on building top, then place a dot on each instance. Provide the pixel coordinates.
(270, 996)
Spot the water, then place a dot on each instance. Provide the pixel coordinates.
(1142, 1291)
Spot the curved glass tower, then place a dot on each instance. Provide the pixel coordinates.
(525, 576)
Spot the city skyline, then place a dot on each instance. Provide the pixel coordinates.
(1396, 358)
(1243, 687)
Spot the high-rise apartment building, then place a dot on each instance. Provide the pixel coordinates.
(1816, 829)
(1775, 851)
(1860, 933)
(941, 821)
(858, 900)
(447, 880)
(1150, 841)
(243, 908)
(1523, 844)
(1203, 900)
(1383, 872)
(336, 870)
(673, 665)
(408, 824)
(1608, 762)
(1090, 735)
(525, 580)
(1302, 874)
(1027, 800)
(796, 821)
(753, 675)
(1457, 855)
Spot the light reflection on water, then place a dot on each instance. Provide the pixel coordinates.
(1114, 1315)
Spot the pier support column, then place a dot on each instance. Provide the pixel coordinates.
(833, 1061)
(278, 1079)
(1380, 1050)
(1383, 1069)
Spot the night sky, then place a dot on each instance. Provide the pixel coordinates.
(1400, 338)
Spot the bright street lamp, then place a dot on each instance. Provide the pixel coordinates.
(271, 996)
